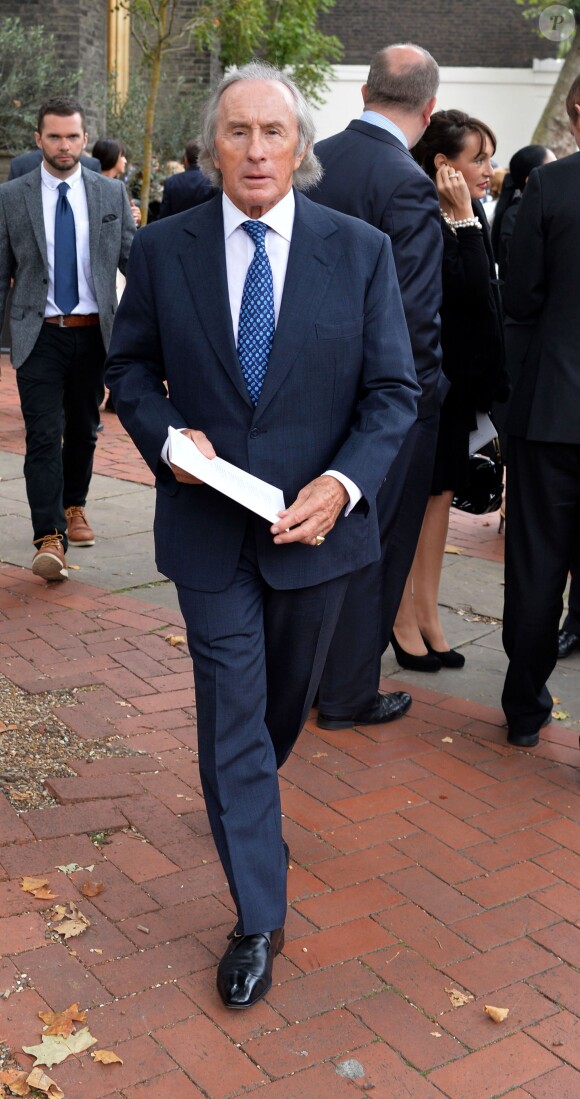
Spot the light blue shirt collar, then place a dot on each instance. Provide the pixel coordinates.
(384, 123)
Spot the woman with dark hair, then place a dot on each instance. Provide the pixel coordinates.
(456, 152)
(521, 164)
(113, 158)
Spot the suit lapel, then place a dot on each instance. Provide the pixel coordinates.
(204, 265)
(94, 204)
(33, 199)
(314, 251)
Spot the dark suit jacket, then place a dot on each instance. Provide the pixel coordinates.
(340, 391)
(184, 190)
(541, 290)
(27, 162)
(370, 174)
(471, 319)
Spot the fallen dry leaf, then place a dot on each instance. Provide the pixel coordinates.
(62, 1023)
(106, 1057)
(498, 1014)
(53, 1049)
(458, 998)
(16, 1081)
(71, 919)
(453, 549)
(92, 888)
(447, 740)
(39, 1080)
(73, 567)
(436, 1034)
(175, 639)
(559, 715)
(72, 867)
(39, 888)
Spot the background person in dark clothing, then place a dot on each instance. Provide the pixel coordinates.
(543, 456)
(186, 189)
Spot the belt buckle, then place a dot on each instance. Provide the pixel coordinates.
(61, 323)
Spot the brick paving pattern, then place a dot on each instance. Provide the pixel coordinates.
(427, 856)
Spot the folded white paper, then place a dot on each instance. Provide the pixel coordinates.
(244, 488)
(483, 433)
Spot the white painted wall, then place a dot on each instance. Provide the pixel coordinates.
(511, 101)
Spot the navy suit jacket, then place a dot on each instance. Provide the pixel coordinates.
(541, 294)
(184, 190)
(340, 391)
(26, 162)
(370, 174)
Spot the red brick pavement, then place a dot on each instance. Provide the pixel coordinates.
(427, 856)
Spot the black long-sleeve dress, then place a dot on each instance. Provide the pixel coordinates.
(472, 343)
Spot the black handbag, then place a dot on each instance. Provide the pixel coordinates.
(483, 490)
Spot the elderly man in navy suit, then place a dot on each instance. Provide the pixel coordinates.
(278, 328)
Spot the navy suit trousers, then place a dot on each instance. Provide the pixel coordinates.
(258, 654)
(350, 680)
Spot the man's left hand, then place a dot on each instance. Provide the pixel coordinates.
(313, 513)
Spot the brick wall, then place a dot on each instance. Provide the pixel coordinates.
(80, 28)
(457, 32)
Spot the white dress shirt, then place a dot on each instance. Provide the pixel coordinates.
(240, 250)
(77, 198)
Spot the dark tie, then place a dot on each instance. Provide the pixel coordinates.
(66, 283)
(257, 321)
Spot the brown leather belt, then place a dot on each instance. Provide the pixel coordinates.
(74, 320)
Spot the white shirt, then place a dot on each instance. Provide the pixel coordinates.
(76, 195)
(384, 123)
(240, 250)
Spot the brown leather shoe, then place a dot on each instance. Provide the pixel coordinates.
(78, 530)
(49, 560)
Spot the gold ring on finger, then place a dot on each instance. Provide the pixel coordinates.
(319, 540)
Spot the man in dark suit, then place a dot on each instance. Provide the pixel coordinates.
(316, 400)
(543, 427)
(187, 189)
(370, 173)
(64, 231)
(27, 162)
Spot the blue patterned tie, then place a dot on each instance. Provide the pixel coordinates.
(257, 320)
(66, 283)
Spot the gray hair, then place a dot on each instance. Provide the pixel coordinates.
(401, 82)
(309, 172)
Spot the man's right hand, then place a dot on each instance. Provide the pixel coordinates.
(203, 444)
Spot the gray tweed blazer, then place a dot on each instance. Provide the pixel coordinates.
(23, 252)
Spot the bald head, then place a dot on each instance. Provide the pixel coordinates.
(403, 77)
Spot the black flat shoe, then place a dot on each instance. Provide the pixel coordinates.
(426, 663)
(244, 974)
(388, 707)
(449, 658)
(567, 644)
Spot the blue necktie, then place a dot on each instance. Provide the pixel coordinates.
(66, 283)
(257, 321)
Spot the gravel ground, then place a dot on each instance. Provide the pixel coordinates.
(35, 745)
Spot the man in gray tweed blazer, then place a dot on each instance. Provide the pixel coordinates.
(64, 231)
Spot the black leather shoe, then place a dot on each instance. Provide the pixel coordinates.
(286, 853)
(426, 663)
(567, 644)
(527, 740)
(388, 707)
(244, 974)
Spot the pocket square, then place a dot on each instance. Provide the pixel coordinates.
(110, 217)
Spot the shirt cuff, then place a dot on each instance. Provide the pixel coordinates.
(354, 492)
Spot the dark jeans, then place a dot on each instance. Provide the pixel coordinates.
(61, 388)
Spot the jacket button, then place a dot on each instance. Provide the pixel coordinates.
(254, 433)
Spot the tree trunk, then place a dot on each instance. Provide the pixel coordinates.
(552, 129)
(148, 136)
